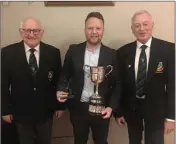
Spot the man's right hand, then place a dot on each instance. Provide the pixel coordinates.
(120, 121)
(7, 118)
(61, 96)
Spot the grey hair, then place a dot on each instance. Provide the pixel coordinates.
(139, 13)
(21, 24)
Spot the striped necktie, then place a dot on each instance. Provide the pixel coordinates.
(33, 62)
(141, 75)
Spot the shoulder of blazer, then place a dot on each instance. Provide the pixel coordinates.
(107, 47)
(76, 47)
(12, 48)
(162, 41)
(49, 48)
(165, 45)
(125, 49)
(8, 52)
(108, 50)
(79, 45)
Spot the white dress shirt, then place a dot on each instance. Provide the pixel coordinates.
(90, 59)
(36, 53)
(138, 52)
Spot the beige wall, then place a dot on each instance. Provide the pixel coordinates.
(65, 25)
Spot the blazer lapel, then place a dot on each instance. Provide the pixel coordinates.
(130, 63)
(22, 53)
(42, 58)
(80, 55)
(80, 61)
(153, 60)
(102, 60)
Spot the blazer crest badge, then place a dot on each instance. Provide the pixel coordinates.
(160, 68)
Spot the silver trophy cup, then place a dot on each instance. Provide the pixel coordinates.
(97, 75)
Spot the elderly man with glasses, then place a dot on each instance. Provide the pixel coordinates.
(30, 70)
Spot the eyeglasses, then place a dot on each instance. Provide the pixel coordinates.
(35, 31)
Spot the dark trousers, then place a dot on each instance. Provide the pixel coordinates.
(9, 133)
(82, 122)
(35, 132)
(137, 124)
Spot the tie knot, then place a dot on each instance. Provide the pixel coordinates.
(32, 50)
(143, 47)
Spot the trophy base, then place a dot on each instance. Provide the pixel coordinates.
(96, 110)
(96, 105)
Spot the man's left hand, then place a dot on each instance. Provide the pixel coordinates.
(169, 126)
(106, 112)
(59, 113)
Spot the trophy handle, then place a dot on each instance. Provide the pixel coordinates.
(84, 69)
(111, 68)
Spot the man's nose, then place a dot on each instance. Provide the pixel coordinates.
(94, 30)
(141, 27)
(31, 33)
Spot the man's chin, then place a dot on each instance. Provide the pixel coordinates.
(143, 39)
(32, 44)
(94, 42)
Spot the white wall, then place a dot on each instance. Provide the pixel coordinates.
(65, 25)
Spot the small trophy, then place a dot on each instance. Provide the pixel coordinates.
(66, 87)
(97, 74)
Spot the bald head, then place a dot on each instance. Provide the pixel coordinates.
(32, 22)
(31, 31)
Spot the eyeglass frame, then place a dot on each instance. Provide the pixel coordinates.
(31, 30)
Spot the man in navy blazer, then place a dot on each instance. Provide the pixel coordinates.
(148, 83)
(30, 70)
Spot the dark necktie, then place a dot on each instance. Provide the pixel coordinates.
(141, 75)
(33, 62)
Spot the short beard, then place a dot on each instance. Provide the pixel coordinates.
(94, 43)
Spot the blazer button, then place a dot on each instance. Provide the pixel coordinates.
(34, 89)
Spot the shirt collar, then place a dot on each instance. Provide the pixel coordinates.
(96, 50)
(148, 43)
(27, 48)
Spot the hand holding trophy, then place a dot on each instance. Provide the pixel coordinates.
(97, 74)
(65, 92)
